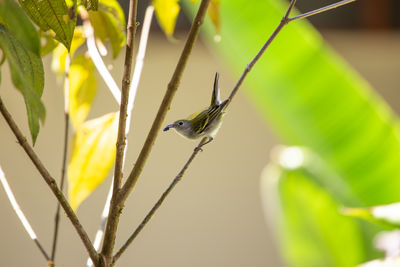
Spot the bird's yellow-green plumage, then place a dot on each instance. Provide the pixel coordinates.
(205, 122)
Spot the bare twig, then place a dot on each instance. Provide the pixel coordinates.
(51, 183)
(132, 95)
(320, 10)
(115, 205)
(21, 216)
(149, 215)
(64, 159)
(95, 56)
(285, 20)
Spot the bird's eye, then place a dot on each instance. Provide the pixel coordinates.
(180, 123)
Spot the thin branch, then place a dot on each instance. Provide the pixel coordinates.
(285, 20)
(64, 159)
(166, 102)
(132, 95)
(150, 214)
(322, 9)
(95, 56)
(115, 206)
(21, 216)
(51, 183)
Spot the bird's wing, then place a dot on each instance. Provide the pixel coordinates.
(200, 122)
(215, 99)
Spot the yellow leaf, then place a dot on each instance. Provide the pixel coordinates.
(213, 12)
(167, 11)
(60, 52)
(83, 87)
(92, 157)
(193, 1)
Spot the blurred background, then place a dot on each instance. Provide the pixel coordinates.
(217, 215)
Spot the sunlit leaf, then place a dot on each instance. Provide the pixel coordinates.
(386, 215)
(109, 24)
(214, 13)
(20, 25)
(60, 52)
(313, 232)
(387, 262)
(167, 12)
(27, 75)
(83, 87)
(93, 153)
(55, 15)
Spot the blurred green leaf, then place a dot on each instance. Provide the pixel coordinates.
(93, 153)
(109, 24)
(55, 15)
(385, 215)
(60, 52)
(313, 98)
(83, 87)
(167, 12)
(27, 75)
(20, 25)
(312, 230)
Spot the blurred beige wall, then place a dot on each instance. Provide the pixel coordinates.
(214, 217)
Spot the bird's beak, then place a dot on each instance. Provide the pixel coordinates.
(169, 126)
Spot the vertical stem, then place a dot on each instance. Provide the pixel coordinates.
(64, 159)
(166, 102)
(132, 95)
(115, 207)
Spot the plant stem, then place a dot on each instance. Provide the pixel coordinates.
(51, 183)
(115, 206)
(64, 159)
(21, 216)
(246, 71)
(166, 102)
(132, 95)
(150, 214)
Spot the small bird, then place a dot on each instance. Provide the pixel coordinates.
(205, 122)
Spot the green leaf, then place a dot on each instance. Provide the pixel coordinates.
(93, 153)
(90, 4)
(167, 12)
(313, 232)
(20, 25)
(385, 215)
(83, 87)
(55, 15)
(60, 52)
(109, 24)
(27, 75)
(312, 98)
